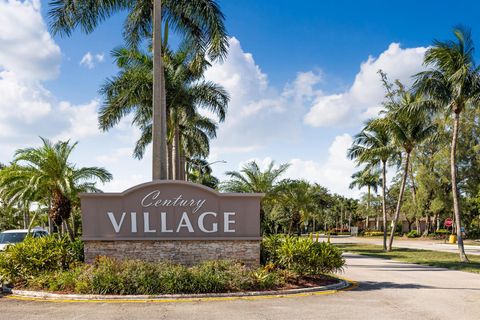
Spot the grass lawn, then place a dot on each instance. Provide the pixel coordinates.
(430, 258)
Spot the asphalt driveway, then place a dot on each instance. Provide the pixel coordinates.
(434, 245)
(386, 290)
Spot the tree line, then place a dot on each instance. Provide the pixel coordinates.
(429, 134)
(292, 206)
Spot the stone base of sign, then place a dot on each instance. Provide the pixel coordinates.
(187, 252)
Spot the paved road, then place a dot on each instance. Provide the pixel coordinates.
(387, 290)
(411, 244)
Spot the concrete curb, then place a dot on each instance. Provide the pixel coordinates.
(41, 295)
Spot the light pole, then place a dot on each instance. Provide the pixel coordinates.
(208, 164)
(200, 167)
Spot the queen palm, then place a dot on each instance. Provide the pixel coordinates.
(251, 179)
(452, 84)
(46, 174)
(297, 199)
(366, 178)
(199, 21)
(373, 146)
(407, 130)
(129, 92)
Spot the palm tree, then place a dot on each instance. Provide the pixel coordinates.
(194, 139)
(407, 130)
(297, 198)
(251, 179)
(366, 178)
(130, 92)
(373, 146)
(45, 173)
(199, 21)
(199, 171)
(452, 84)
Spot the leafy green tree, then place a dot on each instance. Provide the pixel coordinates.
(130, 92)
(373, 146)
(408, 130)
(368, 178)
(45, 173)
(200, 22)
(251, 179)
(452, 84)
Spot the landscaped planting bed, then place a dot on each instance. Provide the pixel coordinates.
(54, 265)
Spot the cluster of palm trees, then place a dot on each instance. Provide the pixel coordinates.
(415, 122)
(163, 89)
(188, 131)
(45, 177)
(291, 206)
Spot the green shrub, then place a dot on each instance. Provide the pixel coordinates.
(302, 255)
(413, 234)
(110, 276)
(439, 234)
(269, 248)
(473, 234)
(35, 256)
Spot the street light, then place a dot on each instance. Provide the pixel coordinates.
(208, 164)
(200, 168)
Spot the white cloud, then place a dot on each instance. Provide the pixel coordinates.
(82, 120)
(89, 60)
(100, 57)
(262, 163)
(114, 157)
(27, 49)
(258, 113)
(363, 99)
(28, 56)
(334, 173)
(22, 100)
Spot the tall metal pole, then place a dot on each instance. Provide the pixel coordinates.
(159, 125)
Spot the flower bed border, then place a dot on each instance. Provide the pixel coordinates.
(42, 295)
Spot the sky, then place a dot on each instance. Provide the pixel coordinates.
(302, 77)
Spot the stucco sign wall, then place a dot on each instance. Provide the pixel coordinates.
(170, 210)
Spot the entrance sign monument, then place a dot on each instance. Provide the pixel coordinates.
(176, 221)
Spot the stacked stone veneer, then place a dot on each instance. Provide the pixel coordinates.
(187, 252)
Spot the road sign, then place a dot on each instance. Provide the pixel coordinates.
(448, 222)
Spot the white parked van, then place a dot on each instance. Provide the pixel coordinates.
(15, 236)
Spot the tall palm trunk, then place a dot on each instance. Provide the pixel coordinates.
(183, 173)
(50, 221)
(414, 199)
(170, 161)
(399, 203)
(384, 203)
(368, 209)
(456, 204)
(70, 232)
(176, 152)
(159, 127)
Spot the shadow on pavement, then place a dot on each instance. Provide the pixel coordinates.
(374, 285)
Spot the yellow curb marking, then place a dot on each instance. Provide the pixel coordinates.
(352, 285)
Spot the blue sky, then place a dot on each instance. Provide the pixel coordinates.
(302, 79)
